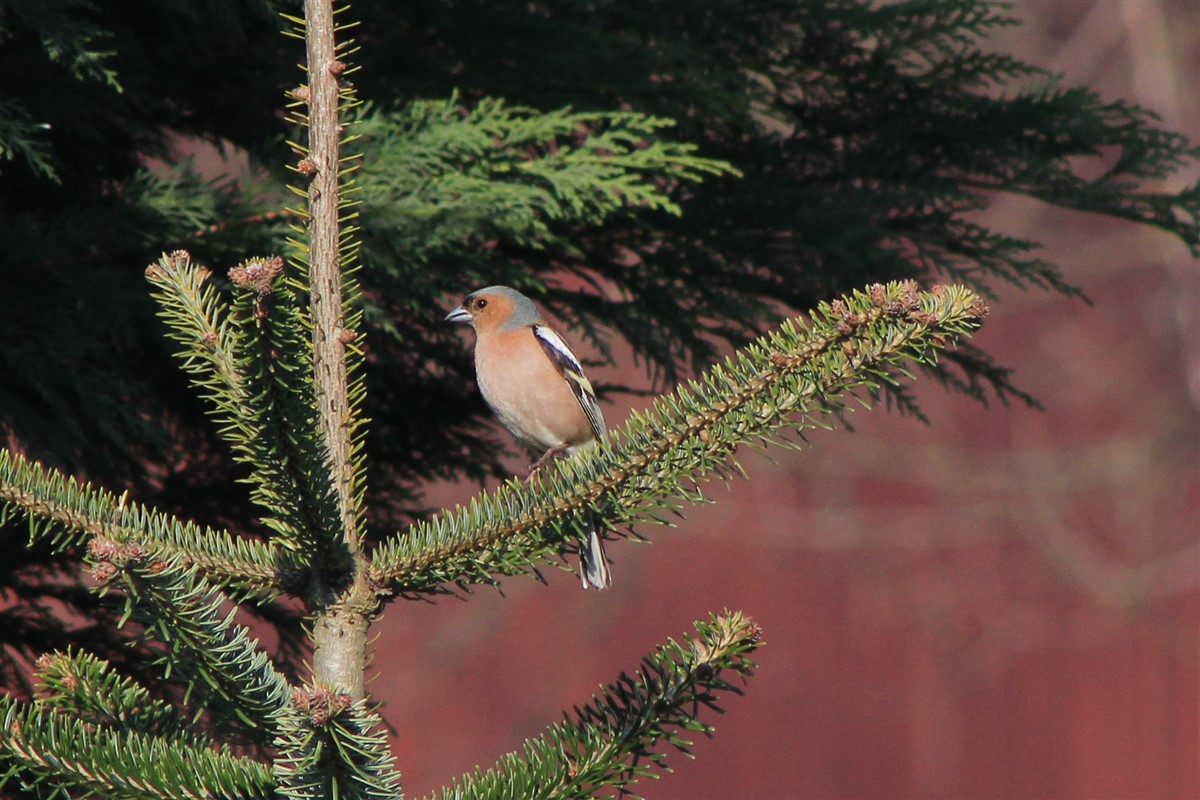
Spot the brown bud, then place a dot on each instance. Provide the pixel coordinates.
(306, 166)
(301, 93)
(301, 697)
(850, 322)
(104, 572)
(257, 273)
(909, 300)
(346, 335)
(319, 703)
(103, 549)
(337, 67)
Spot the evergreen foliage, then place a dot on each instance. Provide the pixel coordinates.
(79, 683)
(65, 757)
(833, 145)
(332, 747)
(248, 361)
(203, 644)
(67, 513)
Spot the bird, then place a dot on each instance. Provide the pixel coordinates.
(535, 385)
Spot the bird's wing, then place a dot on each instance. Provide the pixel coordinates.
(568, 366)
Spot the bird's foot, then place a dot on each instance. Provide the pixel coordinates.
(547, 457)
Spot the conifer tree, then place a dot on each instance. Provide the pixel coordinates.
(277, 356)
(274, 349)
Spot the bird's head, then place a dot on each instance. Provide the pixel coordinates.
(496, 308)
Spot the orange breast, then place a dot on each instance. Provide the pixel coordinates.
(528, 394)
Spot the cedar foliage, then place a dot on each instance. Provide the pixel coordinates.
(812, 148)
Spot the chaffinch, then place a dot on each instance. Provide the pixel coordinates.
(535, 385)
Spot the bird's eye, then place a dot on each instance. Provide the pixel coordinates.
(480, 303)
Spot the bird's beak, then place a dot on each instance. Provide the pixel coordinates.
(459, 314)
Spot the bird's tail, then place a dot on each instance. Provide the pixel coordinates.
(593, 564)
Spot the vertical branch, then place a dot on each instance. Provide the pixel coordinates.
(325, 271)
(343, 607)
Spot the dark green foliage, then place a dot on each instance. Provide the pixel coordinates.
(213, 656)
(68, 514)
(248, 361)
(334, 748)
(66, 757)
(88, 688)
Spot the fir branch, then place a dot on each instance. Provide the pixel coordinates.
(83, 686)
(248, 363)
(211, 651)
(59, 755)
(68, 513)
(291, 475)
(333, 747)
(793, 378)
(619, 737)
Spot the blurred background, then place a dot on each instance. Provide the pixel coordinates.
(1005, 603)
